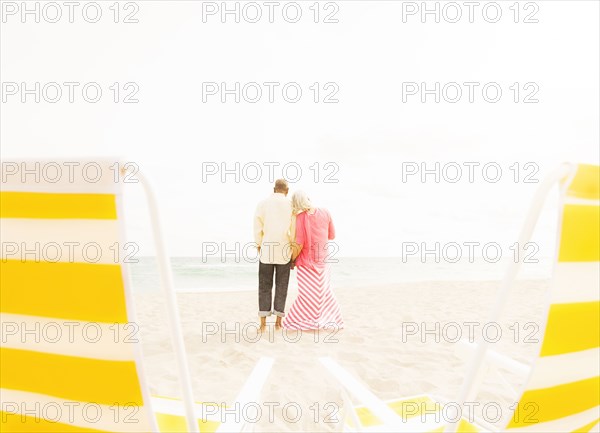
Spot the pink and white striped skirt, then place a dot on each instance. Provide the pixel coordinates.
(316, 306)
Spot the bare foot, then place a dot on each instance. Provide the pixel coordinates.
(263, 324)
(278, 323)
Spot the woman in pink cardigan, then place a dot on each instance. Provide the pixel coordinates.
(316, 306)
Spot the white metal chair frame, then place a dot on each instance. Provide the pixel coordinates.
(391, 421)
(191, 410)
(469, 386)
(166, 280)
(257, 377)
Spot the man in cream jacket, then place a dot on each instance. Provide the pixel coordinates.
(273, 234)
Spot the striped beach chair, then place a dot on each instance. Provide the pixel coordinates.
(562, 387)
(70, 358)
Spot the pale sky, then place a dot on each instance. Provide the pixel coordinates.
(365, 137)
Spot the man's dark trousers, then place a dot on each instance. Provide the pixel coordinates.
(265, 288)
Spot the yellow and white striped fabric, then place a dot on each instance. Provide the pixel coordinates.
(421, 413)
(170, 415)
(69, 357)
(563, 390)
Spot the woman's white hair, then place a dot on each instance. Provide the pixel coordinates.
(300, 202)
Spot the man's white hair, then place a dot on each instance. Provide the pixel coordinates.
(300, 202)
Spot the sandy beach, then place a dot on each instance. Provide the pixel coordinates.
(384, 344)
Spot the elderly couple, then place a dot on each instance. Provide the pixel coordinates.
(294, 234)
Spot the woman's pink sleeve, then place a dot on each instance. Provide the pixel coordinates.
(300, 230)
(331, 228)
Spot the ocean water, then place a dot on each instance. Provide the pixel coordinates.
(208, 274)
